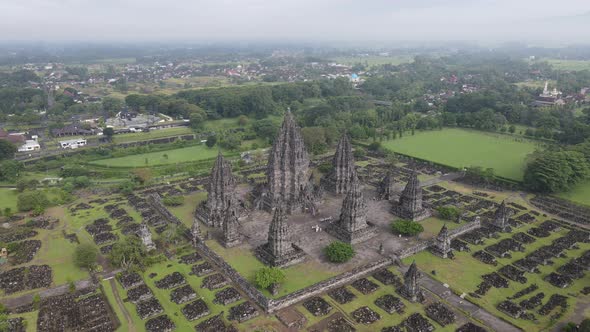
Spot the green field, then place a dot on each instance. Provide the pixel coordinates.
(168, 132)
(579, 194)
(8, 199)
(374, 60)
(464, 148)
(168, 157)
(569, 64)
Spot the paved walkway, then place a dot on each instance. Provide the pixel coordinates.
(462, 305)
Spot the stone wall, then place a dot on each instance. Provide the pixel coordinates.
(235, 277)
(326, 285)
(430, 242)
(156, 202)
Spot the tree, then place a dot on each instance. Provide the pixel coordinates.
(197, 119)
(85, 256)
(555, 171)
(407, 227)
(269, 276)
(211, 141)
(10, 170)
(449, 212)
(129, 253)
(7, 149)
(141, 175)
(32, 200)
(108, 132)
(339, 252)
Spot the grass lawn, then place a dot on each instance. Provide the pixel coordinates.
(167, 132)
(297, 276)
(464, 148)
(8, 199)
(579, 194)
(463, 274)
(186, 211)
(569, 64)
(174, 156)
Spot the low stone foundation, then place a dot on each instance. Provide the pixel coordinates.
(410, 215)
(297, 255)
(352, 237)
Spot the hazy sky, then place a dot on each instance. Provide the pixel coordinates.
(313, 20)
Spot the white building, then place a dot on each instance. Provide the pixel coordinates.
(72, 143)
(30, 145)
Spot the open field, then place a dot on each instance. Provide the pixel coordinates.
(578, 194)
(374, 60)
(569, 64)
(132, 137)
(297, 276)
(168, 157)
(464, 148)
(8, 199)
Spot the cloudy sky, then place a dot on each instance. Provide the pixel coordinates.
(311, 20)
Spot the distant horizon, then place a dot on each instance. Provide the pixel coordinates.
(374, 21)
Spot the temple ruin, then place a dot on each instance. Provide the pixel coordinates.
(220, 193)
(410, 202)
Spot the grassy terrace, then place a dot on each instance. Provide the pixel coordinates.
(579, 194)
(464, 148)
(168, 157)
(471, 270)
(8, 199)
(160, 133)
(298, 276)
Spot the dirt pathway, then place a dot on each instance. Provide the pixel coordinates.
(130, 325)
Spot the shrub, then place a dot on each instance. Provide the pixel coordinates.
(339, 252)
(407, 227)
(32, 200)
(85, 256)
(267, 276)
(173, 200)
(375, 146)
(449, 212)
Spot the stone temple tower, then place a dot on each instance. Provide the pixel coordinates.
(220, 193)
(288, 169)
(279, 250)
(410, 202)
(231, 236)
(385, 186)
(442, 243)
(411, 287)
(352, 227)
(501, 218)
(338, 180)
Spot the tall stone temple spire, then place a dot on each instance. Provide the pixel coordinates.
(338, 180)
(411, 287)
(279, 250)
(442, 243)
(352, 227)
(288, 168)
(501, 218)
(385, 186)
(410, 202)
(231, 236)
(220, 193)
